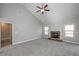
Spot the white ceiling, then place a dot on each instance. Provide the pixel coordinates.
(58, 11)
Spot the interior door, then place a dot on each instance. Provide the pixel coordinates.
(6, 34)
(0, 35)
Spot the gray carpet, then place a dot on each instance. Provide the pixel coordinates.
(41, 47)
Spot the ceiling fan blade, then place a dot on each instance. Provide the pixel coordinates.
(38, 10)
(47, 10)
(38, 7)
(45, 6)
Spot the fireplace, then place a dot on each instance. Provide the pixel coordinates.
(55, 35)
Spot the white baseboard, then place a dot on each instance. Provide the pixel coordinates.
(24, 41)
(71, 42)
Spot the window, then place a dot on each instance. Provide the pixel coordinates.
(69, 30)
(46, 30)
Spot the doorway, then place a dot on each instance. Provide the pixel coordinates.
(6, 34)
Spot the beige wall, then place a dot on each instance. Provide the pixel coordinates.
(25, 26)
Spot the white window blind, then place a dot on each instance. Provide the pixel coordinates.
(69, 30)
(46, 30)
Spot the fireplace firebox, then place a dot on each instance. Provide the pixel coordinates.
(55, 35)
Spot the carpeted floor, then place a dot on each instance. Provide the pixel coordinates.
(41, 47)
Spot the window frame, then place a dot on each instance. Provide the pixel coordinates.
(69, 30)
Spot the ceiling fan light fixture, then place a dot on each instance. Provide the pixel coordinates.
(42, 10)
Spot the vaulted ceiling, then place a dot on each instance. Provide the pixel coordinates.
(58, 11)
